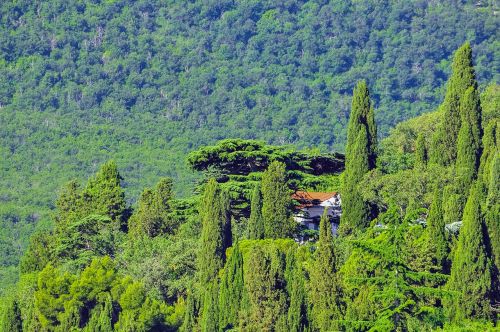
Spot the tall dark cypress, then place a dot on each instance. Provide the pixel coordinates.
(355, 212)
(469, 139)
(490, 147)
(360, 158)
(276, 202)
(492, 216)
(297, 310)
(436, 231)
(231, 290)
(327, 293)
(11, 320)
(362, 115)
(444, 151)
(470, 281)
(255, 223)
(210, 315)
(215, 233)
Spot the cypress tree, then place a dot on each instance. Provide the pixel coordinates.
(469, 140)
(210, 315)
(104, 195)
(362, 115)
(490, 146)
(420, 152)
(215, 233)
(265, 285)
(189, 322)
(463, 76)
(355, 212)
(231, 290)
(11, 320)
(297, 311)
(470, 278)
(360, 158)
(276, 202)
(151, 217)
(327, 293)
(436, 232)
(492, 217)
(255, 223)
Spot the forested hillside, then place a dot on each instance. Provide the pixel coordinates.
(417, 247)
(145, 82)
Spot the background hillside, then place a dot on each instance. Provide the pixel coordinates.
(145, 82)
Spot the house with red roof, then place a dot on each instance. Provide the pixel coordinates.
(311, 205)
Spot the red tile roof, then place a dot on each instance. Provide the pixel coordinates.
(308, 199)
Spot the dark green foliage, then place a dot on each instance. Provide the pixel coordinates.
(420, 152)
(69, 206)
(276, 203)
(104, 195)
(86, 81)
(255, 228)
(470, 279)
(152, 216)
(87, 238)
(469, 139)
(360, 158)
(297, 319)
(362, 115)
(11, 318)
(265, 284)
(215, 234)
(242, 157)
(231, 290)
(463, 77)
(355, 212)
(383, 292)
(490, 148)
(238, 164)
(437, 244)
(325, 282)
(39, 253)
(189, 321)
(210, 311)
(492, 219)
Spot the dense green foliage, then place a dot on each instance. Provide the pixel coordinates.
(146, 82)
(471, 269)
(417, 247)
(276, 203)
(360, 158)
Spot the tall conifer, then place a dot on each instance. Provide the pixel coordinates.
(355, 212)
(297, 311)
(490, 148)
(255, 223)
(470, 279)
(11, 320)
(492, 217)
(327, 293)
(215, 233)
(469, 139)
(104, 195)
(231, 290)
(276, 202)
(436, 232)
(444, 151)
(210, 315)
(360, 158)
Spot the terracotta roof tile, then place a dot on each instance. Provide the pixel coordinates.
(308, 199)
